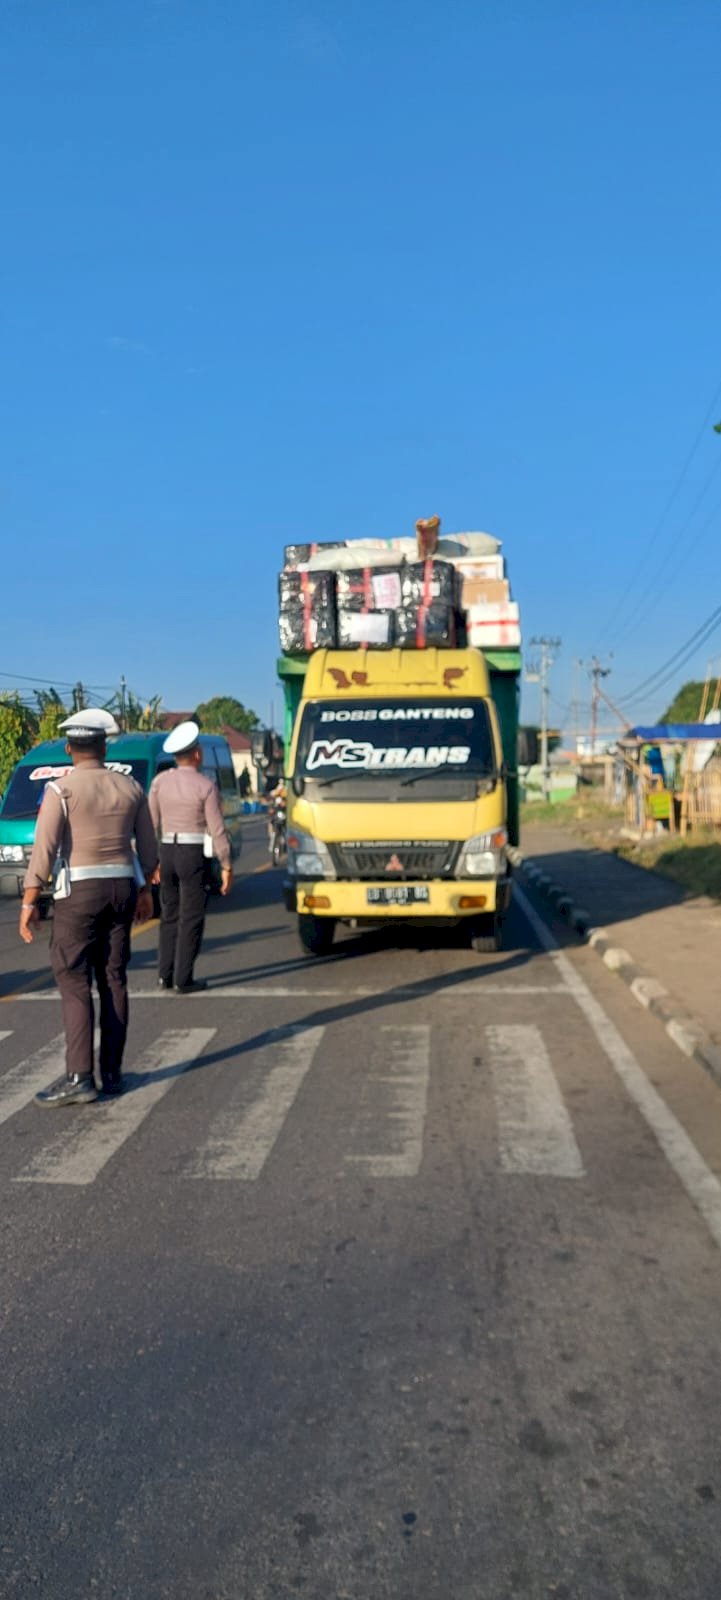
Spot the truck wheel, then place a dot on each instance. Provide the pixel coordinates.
(487, 935)
(316, 934)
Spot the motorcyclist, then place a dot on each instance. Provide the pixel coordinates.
(276, 798)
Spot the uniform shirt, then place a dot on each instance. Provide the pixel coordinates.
(106, 810)
(181, 800)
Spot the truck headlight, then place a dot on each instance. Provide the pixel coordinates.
(484, 856)
(12, 852)
(308, 857)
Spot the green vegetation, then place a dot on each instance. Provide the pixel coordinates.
(18, 733)
(694, 863)
(223, 711)
(686, 705)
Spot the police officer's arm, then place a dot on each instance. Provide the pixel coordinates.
(146, 838)
(48, 839)
(154, 803)
(146, 844)
(215, 826)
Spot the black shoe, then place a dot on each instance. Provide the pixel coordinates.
(194, 987)
(165, 983)
(112, 1086)
(69, 1091)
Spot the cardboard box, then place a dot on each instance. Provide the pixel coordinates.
(481, 566)
(480, 591)
(494, 627)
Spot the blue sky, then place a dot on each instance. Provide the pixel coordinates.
(275, 271)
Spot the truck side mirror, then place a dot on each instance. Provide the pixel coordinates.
(298, 785)
(527, 747)
(261, 748)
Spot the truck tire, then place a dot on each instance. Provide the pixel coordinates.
(316, 934)
(487, 935)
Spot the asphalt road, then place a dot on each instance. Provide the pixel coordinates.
(395, 1274)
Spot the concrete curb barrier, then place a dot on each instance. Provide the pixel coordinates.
(684, 1031)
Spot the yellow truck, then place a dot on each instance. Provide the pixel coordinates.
(402, 788)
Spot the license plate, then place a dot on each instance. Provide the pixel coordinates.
(399, 894)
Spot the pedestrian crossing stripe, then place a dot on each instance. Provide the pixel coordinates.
(23, 1081)
(385, 1135)
(80, 1151)
(535, 1133)
(241, 1139)
(396, 1085)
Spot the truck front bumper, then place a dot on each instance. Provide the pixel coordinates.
(348, 902)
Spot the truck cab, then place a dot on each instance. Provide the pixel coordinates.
(398, 804)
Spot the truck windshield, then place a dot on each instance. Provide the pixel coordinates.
(430, 749)
(27, 785)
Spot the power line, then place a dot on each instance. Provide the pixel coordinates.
(57, 683)
(646, 609)
(678, 659)
(672, 497)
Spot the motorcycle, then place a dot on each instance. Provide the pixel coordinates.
(278, 831)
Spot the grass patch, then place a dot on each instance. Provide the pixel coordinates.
(582, 807)
(694, 863)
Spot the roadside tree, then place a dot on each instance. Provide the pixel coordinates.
(18, 733)
(223, 711)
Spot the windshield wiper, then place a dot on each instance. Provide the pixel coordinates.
(446, 772)
(337, 777)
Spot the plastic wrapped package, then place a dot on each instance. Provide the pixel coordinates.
(494, 627)
(348, 557)
(428, 583)
(367, 599)
(457, 545)
(419, 626)
(307, 612)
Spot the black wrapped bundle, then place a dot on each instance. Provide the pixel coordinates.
(307, 617)
(296, 554)
(367, 599)
(419, 627)
(429, 583)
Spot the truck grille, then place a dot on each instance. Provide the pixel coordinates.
(395, 858)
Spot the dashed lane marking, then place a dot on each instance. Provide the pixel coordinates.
(701, 1184)
(241, 1139)
(535, 1133)
(86, 1144)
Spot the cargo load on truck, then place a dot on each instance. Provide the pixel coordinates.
(430, 591)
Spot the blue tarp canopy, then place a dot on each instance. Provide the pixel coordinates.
(672, 731)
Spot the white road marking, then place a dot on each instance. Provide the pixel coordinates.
(395, 1098)
(91, 1136)
(242, 991)
(535, 1133)
(5, 1033)
(19, 1085)
(701, 1185)
(239, 1144)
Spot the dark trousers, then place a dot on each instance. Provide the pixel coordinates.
(91, 937)
(183, 896)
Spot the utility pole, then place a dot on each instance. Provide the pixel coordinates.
(78, 697)
(549, 649)
(123, 689)
(596, 672)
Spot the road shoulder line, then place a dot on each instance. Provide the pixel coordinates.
(684, 1031)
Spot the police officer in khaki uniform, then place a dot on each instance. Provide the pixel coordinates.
(185, 807)
(89, 819)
